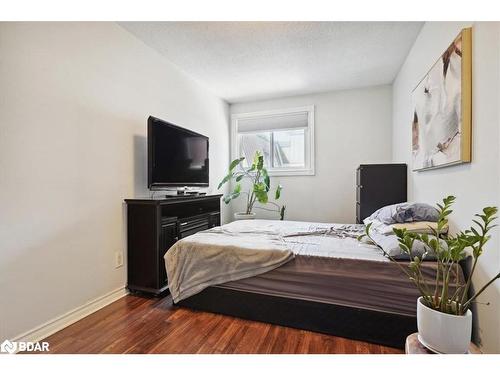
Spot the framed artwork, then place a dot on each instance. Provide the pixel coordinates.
(442, 109)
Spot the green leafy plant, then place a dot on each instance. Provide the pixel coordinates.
(446, 293)
(260, 186)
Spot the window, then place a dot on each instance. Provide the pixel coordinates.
(285, 138)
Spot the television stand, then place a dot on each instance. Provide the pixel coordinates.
(154, 225)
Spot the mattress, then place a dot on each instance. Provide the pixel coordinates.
(248, 248)
(330, 266)
(365, 284)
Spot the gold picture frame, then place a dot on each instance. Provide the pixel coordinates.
(442, 109)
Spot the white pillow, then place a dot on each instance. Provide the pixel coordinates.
(414, 227)
(390, 244)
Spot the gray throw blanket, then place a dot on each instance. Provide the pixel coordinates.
(217, 256)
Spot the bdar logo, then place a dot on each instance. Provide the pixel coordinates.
(23, 346)
(8, 347)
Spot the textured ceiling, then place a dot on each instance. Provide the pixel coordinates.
(242, 61)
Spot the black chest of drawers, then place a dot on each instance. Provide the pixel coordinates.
(379, 185)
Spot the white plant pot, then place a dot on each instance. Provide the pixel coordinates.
(244, 216)
(443, 333)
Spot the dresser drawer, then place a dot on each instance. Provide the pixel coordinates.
(189, 227)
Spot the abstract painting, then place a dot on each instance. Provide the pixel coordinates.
(442, 109)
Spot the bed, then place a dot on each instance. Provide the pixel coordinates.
(331, 283)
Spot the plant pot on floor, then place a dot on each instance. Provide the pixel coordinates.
(244, 216)
(443, 333)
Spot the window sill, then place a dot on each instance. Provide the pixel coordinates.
(293, 172)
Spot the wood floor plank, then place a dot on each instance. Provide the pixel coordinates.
(136, 324)
(253, 338)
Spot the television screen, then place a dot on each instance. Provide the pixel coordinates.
(176, 156)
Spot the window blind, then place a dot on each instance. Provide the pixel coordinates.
(274, 122)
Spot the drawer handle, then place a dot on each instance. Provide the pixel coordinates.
(184, 223)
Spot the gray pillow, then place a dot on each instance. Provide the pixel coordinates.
(404, 213)
(390, 244)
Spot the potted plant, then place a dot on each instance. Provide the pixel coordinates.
(444, 318)
(260, 184)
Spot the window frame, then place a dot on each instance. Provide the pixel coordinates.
(309, 152)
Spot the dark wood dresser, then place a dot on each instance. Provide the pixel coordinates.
(153, 226)
(379, 185)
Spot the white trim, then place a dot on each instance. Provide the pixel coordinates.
(273, 112)
(271, 130)
(292, 172)
(309, 141)
(52, 326)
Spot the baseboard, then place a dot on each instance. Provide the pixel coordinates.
(52, 326)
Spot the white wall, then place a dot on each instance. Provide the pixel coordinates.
(477, 184)
(351, 127)
(74, 102)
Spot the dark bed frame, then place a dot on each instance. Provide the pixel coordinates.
(377, 327)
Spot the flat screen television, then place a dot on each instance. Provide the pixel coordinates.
(176, 156)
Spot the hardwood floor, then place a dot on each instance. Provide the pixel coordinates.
(152, 325)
